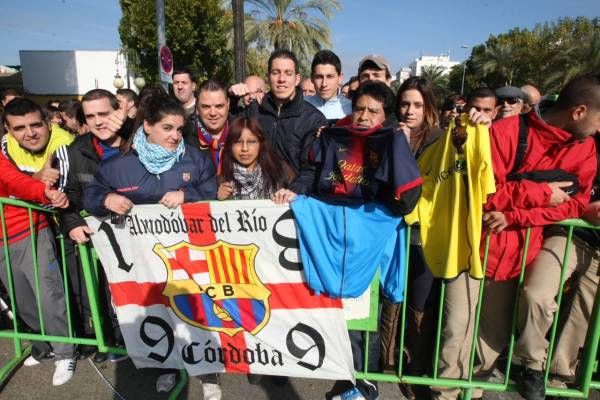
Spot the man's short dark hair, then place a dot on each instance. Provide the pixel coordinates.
(380, 92)
(50, 112)
(282, 53)
(11, 92)
(326, 57)
(97, 94)
(211, 85)
(20, 106)
(129, 94)
(450, 101)
(73, 109)
(184, 70)
(582, 90)
(481, 93)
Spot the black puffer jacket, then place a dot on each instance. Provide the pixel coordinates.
(79, 161)
(290, 128)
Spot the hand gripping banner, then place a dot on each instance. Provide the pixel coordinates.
(219, 287)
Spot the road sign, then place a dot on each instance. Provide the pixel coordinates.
(166, 64)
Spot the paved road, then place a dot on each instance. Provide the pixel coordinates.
(34, 383)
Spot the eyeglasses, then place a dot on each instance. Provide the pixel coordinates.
(248, 143)
(509, 100)
(458, 107)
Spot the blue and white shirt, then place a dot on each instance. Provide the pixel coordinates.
(335, 108)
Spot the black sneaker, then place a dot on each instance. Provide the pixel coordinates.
(254, 379)
(530, 384)
(279, 380)
(85, 351)
(99, 357)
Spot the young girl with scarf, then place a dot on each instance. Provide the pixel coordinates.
(250, 169)
(157, 167)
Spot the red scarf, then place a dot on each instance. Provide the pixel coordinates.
(214, 145)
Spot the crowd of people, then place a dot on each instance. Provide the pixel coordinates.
(503, 160)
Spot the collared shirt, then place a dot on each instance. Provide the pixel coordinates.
(335, 108)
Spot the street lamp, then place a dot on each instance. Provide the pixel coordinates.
(118, 81)
(462, 83)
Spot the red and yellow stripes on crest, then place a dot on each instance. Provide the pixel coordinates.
(231, 265)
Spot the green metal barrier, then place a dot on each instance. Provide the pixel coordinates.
(584, 383)
(90, 273)
(579, 389)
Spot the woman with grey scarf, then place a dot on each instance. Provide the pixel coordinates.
(250, 169)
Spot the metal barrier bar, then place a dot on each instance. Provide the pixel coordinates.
(584, 382)
(589, 362)
(91, 288)
(403, 318)
(19, 354)
(90, 272)
(63, 260)
(48, 338)
(436, 356)
(33, 235)
(563, 274)
(513, 328)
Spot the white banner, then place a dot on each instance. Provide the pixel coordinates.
(219, 287)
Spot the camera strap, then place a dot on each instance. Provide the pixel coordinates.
(521, 144)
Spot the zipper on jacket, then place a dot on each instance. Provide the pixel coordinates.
(345, 250)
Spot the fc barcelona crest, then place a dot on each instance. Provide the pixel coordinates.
(215, 287)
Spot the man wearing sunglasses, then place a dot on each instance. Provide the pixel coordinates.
(510, 101)
(452, 108)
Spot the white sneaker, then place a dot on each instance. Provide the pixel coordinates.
(30, 362)
(211, 391)
(165, 383)
(64, 371)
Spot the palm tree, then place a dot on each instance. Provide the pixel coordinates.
(436, 75)
(575, 59)
(497, 58)
(296, 25)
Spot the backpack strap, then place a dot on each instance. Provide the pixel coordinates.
(521, 144)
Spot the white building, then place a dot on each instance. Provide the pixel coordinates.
(72, 72)
(442, 60)
(403, 74)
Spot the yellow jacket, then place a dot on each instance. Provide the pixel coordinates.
(450, 209)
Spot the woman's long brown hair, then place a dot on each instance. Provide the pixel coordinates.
(431, 119)
(276, 173)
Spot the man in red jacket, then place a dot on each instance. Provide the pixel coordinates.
(14, 183)
(560, 139)
(538, 304)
